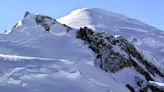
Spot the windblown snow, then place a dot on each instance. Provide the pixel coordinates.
(19, 58)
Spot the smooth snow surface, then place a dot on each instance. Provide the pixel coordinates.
(50, 76)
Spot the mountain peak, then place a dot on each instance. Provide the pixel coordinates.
(91, 10)
(26, 14)
(95, 10)
(29, 14)
(34, 24)
(95, 17)
(31, 19)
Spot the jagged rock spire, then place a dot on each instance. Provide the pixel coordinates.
(26, 14)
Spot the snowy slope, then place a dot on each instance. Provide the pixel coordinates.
(54, 75)
(148, 39)
(41, 55)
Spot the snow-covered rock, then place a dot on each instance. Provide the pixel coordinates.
(113, 54)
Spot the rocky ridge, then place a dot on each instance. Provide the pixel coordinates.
(114, 53)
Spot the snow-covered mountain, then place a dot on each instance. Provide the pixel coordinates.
(145, 37)
(40, 54)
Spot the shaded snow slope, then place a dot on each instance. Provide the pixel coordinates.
(148, 39)
(55, 75)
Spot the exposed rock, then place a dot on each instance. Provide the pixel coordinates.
(47, 22)
(113, 53)
(43, 21)
(26, 14)
(130, 88)
(68, 28)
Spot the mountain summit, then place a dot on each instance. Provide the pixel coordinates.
(95, 17)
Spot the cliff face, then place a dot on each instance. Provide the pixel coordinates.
(114, 53)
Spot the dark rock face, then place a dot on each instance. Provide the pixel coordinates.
(68, 28)
(44, 21)
(26, 13)
(115, 53)
(130, 88)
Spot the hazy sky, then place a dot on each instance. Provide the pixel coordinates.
(148, 11)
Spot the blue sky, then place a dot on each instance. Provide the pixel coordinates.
(148, 11)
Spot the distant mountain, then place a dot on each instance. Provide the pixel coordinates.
(147, 39)
(39, 54)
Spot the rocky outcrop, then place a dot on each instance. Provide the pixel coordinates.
(114, 53)
(45, 21)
